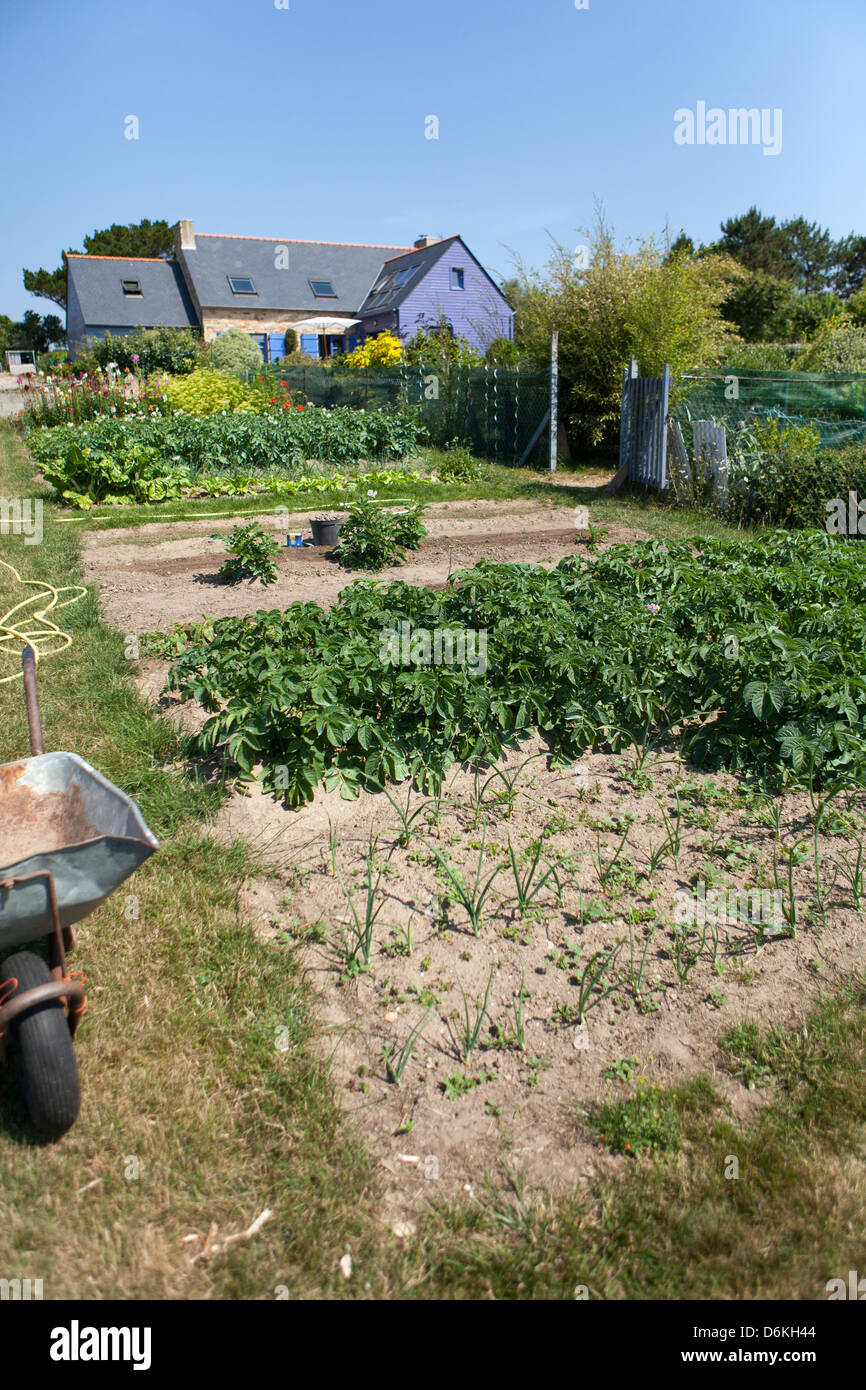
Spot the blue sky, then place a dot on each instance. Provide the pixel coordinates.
(309, 122)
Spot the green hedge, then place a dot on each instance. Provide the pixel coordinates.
(173, 350)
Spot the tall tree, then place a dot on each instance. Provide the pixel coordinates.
(31, 331)
(755, 241)
(144, 238)
(809, 254)
(851, 265)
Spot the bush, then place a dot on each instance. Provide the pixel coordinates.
(385, 350)
(458, 466)
(780, 475)
(839, 347)
(434, 344)
(147, 350)
(53, 361)
(291, 342)
(759, 357)
(234, 351)
(622, 304)
(502, 352)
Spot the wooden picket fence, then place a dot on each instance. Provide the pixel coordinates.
(711, 456)
(643, 431)
(647, 436)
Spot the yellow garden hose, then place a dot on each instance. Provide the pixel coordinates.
(43, 636)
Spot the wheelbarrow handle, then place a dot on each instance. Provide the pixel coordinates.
(31, 700)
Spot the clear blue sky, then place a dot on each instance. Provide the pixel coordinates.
(308, 122)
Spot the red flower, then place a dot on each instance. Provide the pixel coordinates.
(270, 400)
(299, 407)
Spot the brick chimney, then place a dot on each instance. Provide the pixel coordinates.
(184, 236)
(425, 241)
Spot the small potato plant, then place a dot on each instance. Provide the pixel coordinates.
(251, 552)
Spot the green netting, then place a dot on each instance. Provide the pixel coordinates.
(834, 405)
(496, 411)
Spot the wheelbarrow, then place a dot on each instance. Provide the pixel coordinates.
(68, 838)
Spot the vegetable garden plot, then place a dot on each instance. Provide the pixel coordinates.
(504, 950)
(147, 576)
(722, 640)
(162, 456)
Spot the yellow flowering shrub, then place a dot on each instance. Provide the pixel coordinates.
(203, 392)
(382, 351)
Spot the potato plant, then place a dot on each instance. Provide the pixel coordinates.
(251, 555)
(372, 538)
(722, 642)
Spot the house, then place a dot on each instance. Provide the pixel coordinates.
(115, 294)
(265, 286)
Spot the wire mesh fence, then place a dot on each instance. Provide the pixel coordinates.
(497, 412)
(834, 405)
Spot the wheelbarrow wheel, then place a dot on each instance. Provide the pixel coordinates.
(42, 1052)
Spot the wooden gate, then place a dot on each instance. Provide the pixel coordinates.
(711, 457)
(643, 429)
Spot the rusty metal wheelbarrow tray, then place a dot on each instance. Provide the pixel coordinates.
(58, 814)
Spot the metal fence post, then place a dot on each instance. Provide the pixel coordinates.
(554, 397)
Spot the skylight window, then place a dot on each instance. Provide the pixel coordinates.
(323, 289)
(403, 275)
(131, 286)
(242, 284)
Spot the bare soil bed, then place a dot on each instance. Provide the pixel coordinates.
(164, 573)
(524, 1107)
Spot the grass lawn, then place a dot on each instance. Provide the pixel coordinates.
(192, 1115)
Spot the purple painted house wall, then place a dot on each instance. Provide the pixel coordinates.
(478, 312)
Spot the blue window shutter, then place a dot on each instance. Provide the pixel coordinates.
(310, 344)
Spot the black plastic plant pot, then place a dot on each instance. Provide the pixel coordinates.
(325, 532)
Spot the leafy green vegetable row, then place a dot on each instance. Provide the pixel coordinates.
(752, 650)
(281, 441)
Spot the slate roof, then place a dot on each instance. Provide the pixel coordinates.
(164, 297)
(351, 269)
(385, 294)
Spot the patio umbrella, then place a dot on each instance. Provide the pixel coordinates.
(323, 324)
